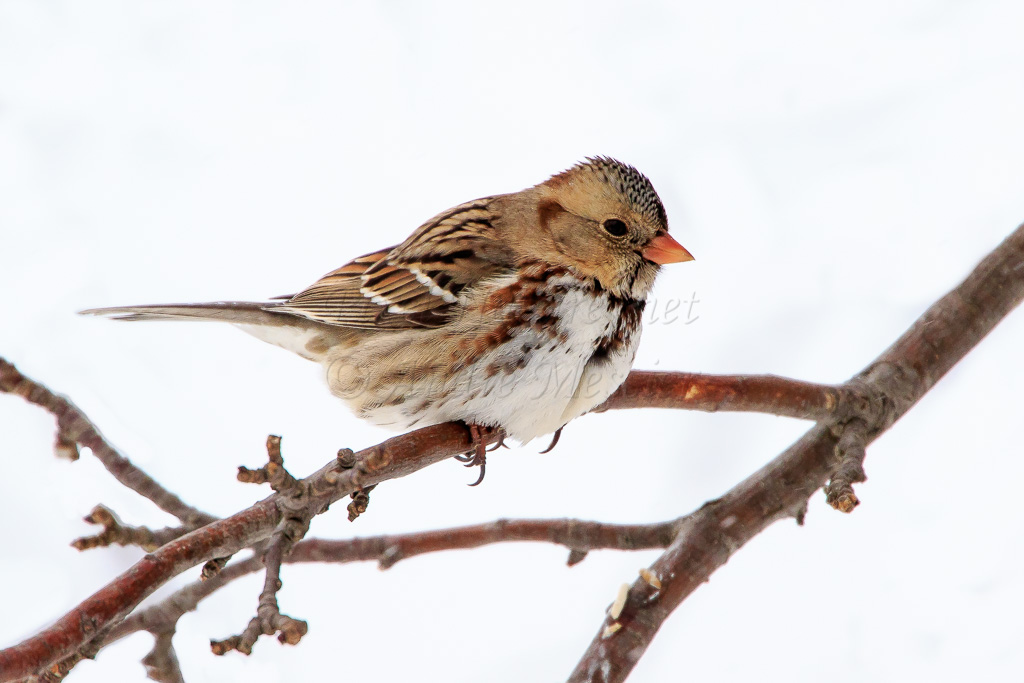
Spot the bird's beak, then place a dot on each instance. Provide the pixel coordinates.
(663, 249)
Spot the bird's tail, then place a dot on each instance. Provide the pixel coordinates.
(309, 338)
(243, 312)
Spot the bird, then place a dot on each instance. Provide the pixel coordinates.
(514, 313)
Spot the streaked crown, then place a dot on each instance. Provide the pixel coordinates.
(630, 183)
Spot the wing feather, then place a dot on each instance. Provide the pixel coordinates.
(414, 284)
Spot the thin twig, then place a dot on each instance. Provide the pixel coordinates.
(850, 450)
(295, 518)
(579, 536)
(161, 662)
(268, 620)
(115, 532)
(79, 628)
(73, 427)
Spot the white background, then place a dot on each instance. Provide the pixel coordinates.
(835, 168)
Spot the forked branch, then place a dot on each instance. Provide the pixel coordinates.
(295, 518)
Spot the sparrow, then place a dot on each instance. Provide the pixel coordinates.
(516, 312)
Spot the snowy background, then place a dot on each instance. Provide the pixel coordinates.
(834, 167)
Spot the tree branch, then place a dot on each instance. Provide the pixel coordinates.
(162, 663)
(882, 393)
(295, 519)
(577, 535)
(116, 532)
(733, 393)
(79, 627)
(74, 428)
(396, 457)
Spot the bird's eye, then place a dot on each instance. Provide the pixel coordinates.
(615, 227)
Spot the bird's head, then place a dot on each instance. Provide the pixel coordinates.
(603, 219)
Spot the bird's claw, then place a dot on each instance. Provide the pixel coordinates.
(554, 440)
(478, 456)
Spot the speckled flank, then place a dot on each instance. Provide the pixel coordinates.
(560, 345)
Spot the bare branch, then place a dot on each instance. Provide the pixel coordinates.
(580, 536)
(273, 472)
(268, 620)
(80, 627)
(58, 670)
(165, 614)
(396, 457)
(117, 533)
(885, 390)
(851, 448)
(360, 502)
(162, 663)
(295, 518)
(73, 427)
(712, 393)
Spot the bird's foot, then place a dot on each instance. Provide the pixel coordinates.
(478, 436)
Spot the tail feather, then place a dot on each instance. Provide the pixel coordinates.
(243, 312)
(308, 338)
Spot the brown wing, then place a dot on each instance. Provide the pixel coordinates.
(414, 284)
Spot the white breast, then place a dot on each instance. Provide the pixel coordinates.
(557, 382)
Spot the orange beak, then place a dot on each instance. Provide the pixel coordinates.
(663, 249)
